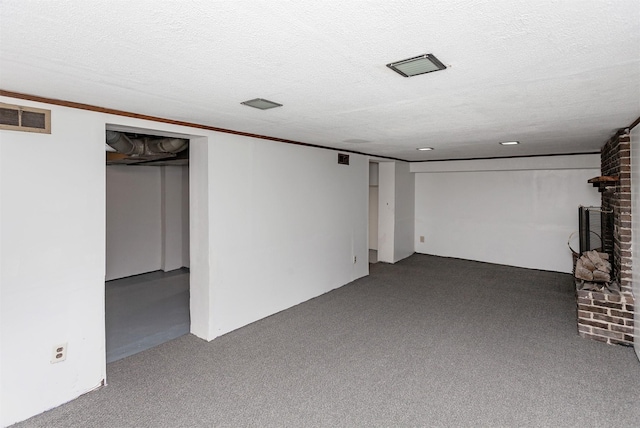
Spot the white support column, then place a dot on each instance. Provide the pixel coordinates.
(171, 214)
(386, 210)
(199, 232)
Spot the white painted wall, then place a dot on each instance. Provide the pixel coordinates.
(134, 221)
(2, 320)
(52, 266)
(373, 217)
(274, 246)
(373, 206)
(511, 164)
(185, 216)
(386, 211)
(404, 212)
(259, 243)
(395, 211)
(200, 206)
(174, 216)
(635, 229)
(373, 173)
(147, 219)
(512, 217)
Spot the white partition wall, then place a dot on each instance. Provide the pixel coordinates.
(134, 220)
(271, 225)
(373, 217)
(386, 211)
(52, 270)
(175, 216)
(200, 201)
(287, 223)
(395, 211)
(373, 206)
(404, 212)
(519, 212)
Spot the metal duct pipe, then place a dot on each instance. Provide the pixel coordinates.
(167, 145)
(123, 144)
(145, 146)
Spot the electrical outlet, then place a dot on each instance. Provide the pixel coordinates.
(421, 238)
(59, 353)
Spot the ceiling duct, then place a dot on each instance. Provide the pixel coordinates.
(134, 148)
(145, 145)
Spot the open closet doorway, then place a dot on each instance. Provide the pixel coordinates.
(373, 212)
(147, 282)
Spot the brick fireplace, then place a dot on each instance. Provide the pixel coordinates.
(607, 315)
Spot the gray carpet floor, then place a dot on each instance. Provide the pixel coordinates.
(428, 341)
(143, 311)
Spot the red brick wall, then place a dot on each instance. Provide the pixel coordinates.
(604, 316)
(616, 161)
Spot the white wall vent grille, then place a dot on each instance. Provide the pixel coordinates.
(27, 119)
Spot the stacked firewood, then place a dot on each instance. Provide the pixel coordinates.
(593, 266)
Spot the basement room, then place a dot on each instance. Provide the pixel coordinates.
(320, 214)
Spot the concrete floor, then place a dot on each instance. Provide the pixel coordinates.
(145, 310)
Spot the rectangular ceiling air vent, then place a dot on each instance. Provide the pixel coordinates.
(343, 159)
(27, 119)
(261, 104)
(422, 64)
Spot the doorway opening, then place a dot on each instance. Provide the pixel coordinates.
(373, 212)
(147, 284)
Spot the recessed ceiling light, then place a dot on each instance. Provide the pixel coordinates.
(424, 149)
(510, 143)
(260, 103)
(418, 65)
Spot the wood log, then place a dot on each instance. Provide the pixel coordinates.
(591, 286)
(593, 256)
(601, 276)
(582, 272)
(613, 287)
(603, 266)
(587, 263)
(603, 256)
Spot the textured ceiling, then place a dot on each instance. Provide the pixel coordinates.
(559, 76)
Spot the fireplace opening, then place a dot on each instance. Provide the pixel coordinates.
(593, 267)
(595, 229)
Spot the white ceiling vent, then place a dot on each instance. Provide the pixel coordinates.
(417, 65)
(261, 104)
(27, 119)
